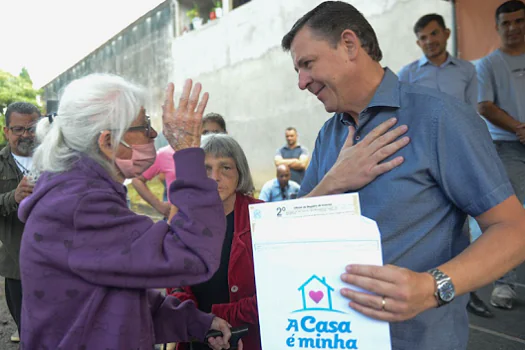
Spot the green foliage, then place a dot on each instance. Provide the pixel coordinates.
(194, 12)
(14, 89)
(24, 74)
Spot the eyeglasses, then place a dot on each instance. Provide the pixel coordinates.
(20, 130)
(146, 127)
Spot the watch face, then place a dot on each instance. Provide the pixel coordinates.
(446, 292)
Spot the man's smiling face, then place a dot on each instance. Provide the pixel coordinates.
(323, 68)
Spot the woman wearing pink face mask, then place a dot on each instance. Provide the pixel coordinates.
(89, 265)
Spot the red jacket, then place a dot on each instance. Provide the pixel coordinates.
(242, 308)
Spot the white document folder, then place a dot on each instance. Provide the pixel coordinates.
(301, 248)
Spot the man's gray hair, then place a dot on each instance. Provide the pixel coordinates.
(87, 107)
(225, 146)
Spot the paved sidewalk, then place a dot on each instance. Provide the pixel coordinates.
(506, 331)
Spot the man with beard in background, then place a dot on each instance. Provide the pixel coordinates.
(15, 165)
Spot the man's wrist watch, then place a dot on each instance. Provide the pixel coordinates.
(445, 291)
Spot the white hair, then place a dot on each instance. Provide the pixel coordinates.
(88, 106)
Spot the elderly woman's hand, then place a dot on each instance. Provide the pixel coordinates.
(182, 125)
(219, 343)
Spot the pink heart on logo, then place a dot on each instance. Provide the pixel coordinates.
(316, 296)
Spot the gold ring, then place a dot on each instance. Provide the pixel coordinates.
(383, 303)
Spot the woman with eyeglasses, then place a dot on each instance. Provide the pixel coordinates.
(89, 265)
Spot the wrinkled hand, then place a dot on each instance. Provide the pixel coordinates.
(219, 343)
(182, 124)
(24, 189)
(358, 165)
(520, 132)
(406, 293)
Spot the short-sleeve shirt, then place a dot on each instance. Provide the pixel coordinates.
(451, 169)
(272, 192)
(502, 81)
(164, 164)
(293, 153)
(455, 77)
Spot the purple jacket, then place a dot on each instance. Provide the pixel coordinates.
(88, 262)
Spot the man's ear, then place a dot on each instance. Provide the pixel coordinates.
(105, 145)
(447, 33)
(352, 43)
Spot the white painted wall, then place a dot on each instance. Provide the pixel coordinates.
(252, 82)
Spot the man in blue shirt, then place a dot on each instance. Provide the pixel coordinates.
(437, 69)
(450, 169)
(502, 103)
(280, 188)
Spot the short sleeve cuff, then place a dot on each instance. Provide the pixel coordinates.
(490, 200)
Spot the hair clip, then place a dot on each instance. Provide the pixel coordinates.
(51, 116)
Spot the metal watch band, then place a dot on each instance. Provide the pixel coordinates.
(443, 282)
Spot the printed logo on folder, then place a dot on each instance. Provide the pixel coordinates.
(319, 329)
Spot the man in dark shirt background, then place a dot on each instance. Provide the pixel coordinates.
(294, 155)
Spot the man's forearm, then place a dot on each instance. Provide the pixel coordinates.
(498, 116)
(500, 248)
(324, 188)
(288, 162)
(297, 165)
(293, 163)
(146, 194)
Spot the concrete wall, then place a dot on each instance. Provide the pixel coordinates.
(252, 82)
(141, 53)
(239, 61)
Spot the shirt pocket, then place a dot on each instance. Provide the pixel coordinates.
(8, 181)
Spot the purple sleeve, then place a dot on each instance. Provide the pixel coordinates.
(174, 321)
(114, 246)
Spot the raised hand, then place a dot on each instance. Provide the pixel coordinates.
(182, 124)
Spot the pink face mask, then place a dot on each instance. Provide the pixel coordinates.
(142, 157)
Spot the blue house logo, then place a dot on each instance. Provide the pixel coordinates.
(316, 295)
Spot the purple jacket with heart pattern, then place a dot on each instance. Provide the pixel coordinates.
(89, 264)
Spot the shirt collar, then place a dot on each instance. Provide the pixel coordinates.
(386, 95)
(276, 184)
(450, 59)
(6, 151)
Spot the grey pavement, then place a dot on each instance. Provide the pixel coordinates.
(506, 331)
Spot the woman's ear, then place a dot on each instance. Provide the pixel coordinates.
(105, 145)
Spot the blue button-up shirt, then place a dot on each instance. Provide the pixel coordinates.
(455, 77)
(272, 192)
(451, 169)
(502, 81)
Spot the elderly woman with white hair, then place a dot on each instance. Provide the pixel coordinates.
(230, 293)
(88, 263)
